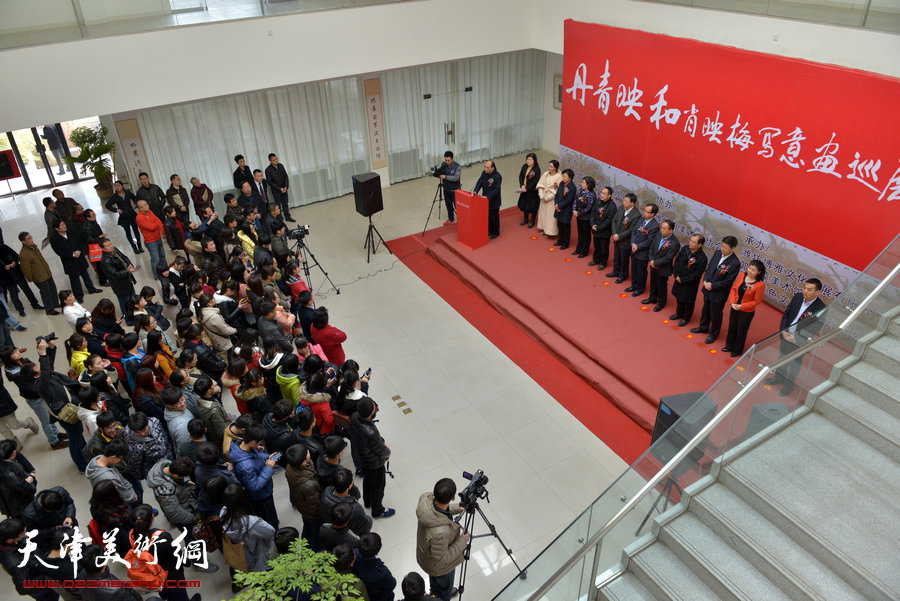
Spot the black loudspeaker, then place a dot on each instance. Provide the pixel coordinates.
(367, 190)
(697, 410)
(763, 416)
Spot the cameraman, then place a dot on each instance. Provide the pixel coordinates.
(450, 180)
(440, 542)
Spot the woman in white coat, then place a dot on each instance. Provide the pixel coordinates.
(546, 189)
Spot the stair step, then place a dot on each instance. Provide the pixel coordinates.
(775, 554)
(666, 577)
(832, 493)
(626, 587)
(894, 328)
(873, 384)
(884, 353)
(861, 418)
(722, 568)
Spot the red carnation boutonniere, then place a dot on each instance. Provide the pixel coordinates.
(805, 315)
(600, 211)
(625, 221)
(530, 174)
(723, 269)
(643, 229)
(665, 245)
(490, 181)
(556, 186)
(691, 261)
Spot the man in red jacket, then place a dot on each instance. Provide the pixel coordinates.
(153, 232)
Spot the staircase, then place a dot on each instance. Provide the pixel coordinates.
(807, 510)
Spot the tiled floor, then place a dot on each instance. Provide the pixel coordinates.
(471, 406)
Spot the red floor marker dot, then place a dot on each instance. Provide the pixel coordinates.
(606, 283)
(665, 321)
(534, 237)
(588, 272)
(568, 259)
(689, 336)
(741, 368)
(713, 351)
(623, 295)
(551, 249)
(645, 308)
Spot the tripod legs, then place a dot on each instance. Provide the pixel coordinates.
(371, 244)
(439, 201)
(469, 526)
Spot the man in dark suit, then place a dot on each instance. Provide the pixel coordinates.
(800, 323)
(563, 203)
(663, 248)
(75, 265)
(625, 222)
(688, 269)
(119, 271)
(271, 217)
(720, 273)
(640, 249)
(246, 199)
(489, 184)
(262, 196)
(242, 173)
(602, 215)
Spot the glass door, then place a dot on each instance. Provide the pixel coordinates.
(53, 141)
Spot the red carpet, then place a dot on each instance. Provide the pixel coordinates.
(597, 353)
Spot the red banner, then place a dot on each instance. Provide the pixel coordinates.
(806, 151)
(9, 169)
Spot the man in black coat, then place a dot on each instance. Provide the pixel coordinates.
(625, 222)
(119, 271)
(12, 545)
(562, 208)
(55, 389)
(151, 193)
(68, 246)
(640, 249)
(663, 248)
(688, 269)
(720, 273)
(124, 203)
(212, 264)
(51, 510)
(489, 184)
(242, 173)
(602, 215)
(373, 454)
(800, 323)
(279, 182)
(12, 278)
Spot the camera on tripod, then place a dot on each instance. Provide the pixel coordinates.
(48, 338)
(300, 232)
(439, 170)
(475, 490)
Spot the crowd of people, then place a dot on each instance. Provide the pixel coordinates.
(137, 401)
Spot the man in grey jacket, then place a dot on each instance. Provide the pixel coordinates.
(450, 180)
(103, 467)
(177, 416)
(170, 481)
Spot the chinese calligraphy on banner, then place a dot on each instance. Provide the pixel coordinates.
(798, 155)
(374, 117)
(133, 148)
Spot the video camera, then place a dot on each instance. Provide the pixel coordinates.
(469, 496)
(49, 337)
(439, 170)
(299, 233)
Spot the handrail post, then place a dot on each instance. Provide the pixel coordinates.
(592, 593)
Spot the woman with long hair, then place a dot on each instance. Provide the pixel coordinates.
(146, 323)
(134, 306)
(247, 238)
(314, 395)
(247, 348)
(240, 525)
(529, 200)
(153, 308)
(207, 360)
(329, 337)
(145, 396)
(71, 308)
(85, 327)
(252, 394)
(546, 189)
(104, 319)
(150, 362)
(237, 367)
(92, 233)
(584, 203)
(110, 512)
(102, 382)
(156, 345)
(76, 352)
(349, 391)
(143, 526)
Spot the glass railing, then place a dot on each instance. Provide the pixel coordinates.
(50, 21)
(746, 400)
(872, 14)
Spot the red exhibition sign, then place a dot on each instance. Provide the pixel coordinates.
(9, 169)
(809, 152)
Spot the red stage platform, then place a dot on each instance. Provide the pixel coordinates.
(594, 348)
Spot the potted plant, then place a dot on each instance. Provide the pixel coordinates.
(300, 569)
(93, 146)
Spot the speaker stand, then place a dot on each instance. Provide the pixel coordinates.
(671, 482)
(371, 245)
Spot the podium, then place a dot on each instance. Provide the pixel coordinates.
(471, 219)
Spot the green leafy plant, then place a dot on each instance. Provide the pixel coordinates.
(301, 568)
(93, 145)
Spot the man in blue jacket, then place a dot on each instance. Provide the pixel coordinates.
(254, 469)
(489, 184)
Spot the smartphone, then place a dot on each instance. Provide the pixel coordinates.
(368, 373)
(276, 456)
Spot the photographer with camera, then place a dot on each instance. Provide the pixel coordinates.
(440, 541)
(450, 173)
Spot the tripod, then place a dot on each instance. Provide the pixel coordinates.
(371, 246)
(438, 200)
(671, 482)
(469, 526)
(306, 254)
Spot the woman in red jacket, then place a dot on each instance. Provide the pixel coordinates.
(328, 336)
(746, 293)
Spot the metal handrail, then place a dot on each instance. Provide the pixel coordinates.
(597, 538)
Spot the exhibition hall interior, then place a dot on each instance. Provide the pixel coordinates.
(572, 300)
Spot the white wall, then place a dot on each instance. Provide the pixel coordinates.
(203, 60)
(552, 116)
(102, 11)
(24, 15)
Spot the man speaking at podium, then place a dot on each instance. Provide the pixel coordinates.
(489, 183)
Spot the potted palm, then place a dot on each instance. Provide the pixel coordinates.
(93, 147)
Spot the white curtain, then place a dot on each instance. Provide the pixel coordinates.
(502, 114)
(318, 131)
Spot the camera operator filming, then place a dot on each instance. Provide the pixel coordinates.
(449, 173)
(440, 542)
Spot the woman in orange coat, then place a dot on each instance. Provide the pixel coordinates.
(746, 293)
